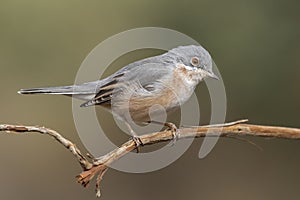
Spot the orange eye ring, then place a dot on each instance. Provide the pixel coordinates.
(195, 61)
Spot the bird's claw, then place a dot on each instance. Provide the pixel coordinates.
(138, 142)
(173, 128)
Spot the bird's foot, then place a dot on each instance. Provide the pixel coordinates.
(137, 140)
(173, 128)
(138, 143)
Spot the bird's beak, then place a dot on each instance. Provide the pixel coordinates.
(212, 75)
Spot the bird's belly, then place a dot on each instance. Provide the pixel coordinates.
(139, 106)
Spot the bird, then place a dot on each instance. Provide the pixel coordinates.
(168, 80)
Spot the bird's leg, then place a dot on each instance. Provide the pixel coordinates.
(171, 126)
(135, 137)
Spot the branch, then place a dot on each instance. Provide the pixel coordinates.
(100, 166)
(84, 163)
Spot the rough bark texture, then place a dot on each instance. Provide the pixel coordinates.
(100, 166)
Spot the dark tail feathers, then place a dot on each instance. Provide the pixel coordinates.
(48, 90)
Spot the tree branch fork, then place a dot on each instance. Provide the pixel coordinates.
(98, 167)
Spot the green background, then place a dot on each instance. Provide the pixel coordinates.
(255, 44)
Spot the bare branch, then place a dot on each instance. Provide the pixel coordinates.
(100, 166)
(85, 164)
(225, 130)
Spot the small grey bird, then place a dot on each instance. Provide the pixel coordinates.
(168, 80)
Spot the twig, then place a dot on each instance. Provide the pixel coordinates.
(100, 166)
(223, 125)
(85, 164)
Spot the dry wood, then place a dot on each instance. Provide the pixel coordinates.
(99, 167)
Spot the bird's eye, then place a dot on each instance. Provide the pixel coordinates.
(195, 61)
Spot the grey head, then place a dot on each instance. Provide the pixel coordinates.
(194, 57)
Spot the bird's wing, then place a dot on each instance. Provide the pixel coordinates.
(147, 73)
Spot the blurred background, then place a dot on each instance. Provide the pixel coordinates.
(255, 44)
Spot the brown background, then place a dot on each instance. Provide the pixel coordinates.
(256, 45)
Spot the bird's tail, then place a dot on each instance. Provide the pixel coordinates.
(49, 90)
(84, 91)
(85, 88)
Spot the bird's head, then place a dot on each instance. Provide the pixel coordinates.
(195, 57)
